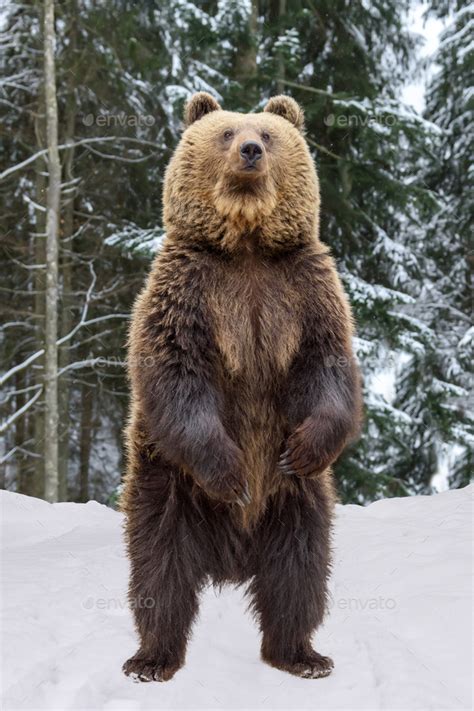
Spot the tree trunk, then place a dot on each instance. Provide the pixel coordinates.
(20, 434)
(52, 221)
(33, 482)
(67, 231)
(280, 84)
(63, 356)
(85, 441)
(245, 63)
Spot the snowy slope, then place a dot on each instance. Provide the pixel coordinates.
(398, 630)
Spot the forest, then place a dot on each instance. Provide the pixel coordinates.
(91, 102)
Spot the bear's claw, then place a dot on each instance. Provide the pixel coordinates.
(310, 666)
(245, 497)
(284, 464)
(141, 669)
(311, 670)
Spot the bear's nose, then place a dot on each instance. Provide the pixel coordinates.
(251, 151)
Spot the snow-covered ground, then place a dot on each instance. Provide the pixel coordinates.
(399, 627)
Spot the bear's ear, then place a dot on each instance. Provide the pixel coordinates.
(286, 107)
(198, 106)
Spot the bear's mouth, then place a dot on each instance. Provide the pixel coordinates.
(249, 172)
(249, 168)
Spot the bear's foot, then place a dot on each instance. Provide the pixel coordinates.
(141, 668)
(307, 665)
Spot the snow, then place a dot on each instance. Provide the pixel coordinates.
(398, 627)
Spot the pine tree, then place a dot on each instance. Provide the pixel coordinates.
(446, 300)
(345, 63)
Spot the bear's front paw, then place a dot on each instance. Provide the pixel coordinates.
(224, 477)
(228, 487)
(307, 453)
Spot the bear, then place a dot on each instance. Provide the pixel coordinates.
(244, 392)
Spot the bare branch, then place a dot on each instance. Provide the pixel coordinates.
(31, 359)
(74, 144)
(90, 362)
(121, 159)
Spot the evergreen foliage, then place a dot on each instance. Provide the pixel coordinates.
(396, 210)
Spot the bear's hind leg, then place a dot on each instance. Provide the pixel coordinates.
(166, 574)
(289, 590)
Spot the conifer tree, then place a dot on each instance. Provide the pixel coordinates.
(446, 300)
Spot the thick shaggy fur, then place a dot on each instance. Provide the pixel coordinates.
(244, 392)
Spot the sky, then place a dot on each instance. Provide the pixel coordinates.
(430, 29)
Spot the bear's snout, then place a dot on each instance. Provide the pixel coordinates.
(251, 152)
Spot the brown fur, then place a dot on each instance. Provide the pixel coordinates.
(244, 392)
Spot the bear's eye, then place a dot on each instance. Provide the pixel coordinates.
(265, 136)
(228, 135)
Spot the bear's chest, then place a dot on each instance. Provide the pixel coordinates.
(257, 324)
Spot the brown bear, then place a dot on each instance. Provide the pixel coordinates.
(244, 392)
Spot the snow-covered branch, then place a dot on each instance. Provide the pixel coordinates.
(15, 415)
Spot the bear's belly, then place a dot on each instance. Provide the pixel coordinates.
(257, 331)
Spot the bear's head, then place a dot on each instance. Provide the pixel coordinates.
(238, 181)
